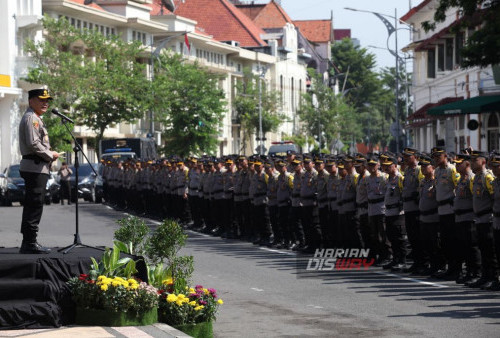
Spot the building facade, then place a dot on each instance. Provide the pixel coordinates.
(449, 100)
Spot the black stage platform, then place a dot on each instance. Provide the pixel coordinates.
(33, 290)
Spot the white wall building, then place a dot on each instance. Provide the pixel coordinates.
(439, 80)
(132, 19)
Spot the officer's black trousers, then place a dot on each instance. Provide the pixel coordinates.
(364, 228)
(466, 236)
(396, 233)
(295, 220)
(325, 225)
(274, 220)
(378, 242)
(413, 229)
(65, 192)
(284, 224)
(486, 243)
(447, 233)
(33, 204)
(431, 247)
(310, 222)
(350, 232)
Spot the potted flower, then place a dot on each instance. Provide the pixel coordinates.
(191, 312)
(113, 301)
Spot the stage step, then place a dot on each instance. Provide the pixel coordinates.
(27, 289)
(22, 314)
(20, 268)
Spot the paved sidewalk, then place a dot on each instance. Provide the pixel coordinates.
(155, 330)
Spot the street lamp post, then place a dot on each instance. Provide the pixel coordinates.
(390, 29)
(262, 72)
(156, 53)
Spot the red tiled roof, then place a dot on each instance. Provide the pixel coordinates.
(339, 34)
(414, 10)
(315, 30)
(92, 4)
(220, 19)
(269, 15)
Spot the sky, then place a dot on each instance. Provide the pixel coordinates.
(366, 27)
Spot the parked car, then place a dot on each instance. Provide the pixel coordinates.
(52, 190)
(279, 149)
(11, 186)
(89, 184)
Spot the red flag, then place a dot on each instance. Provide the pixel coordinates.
(187, 43)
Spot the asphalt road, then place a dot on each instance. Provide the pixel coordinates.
(265, 295)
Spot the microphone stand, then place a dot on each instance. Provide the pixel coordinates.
(77, 148)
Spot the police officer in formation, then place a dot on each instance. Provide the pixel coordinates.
(441, 212)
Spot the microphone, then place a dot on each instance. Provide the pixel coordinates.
(62, 116)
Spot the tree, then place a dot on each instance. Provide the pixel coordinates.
(326, 114)
(358, 72)
(246, 105)
(483, 46)
(96, 77)
(189, 104)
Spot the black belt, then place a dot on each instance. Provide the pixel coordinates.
(323, 200)
(295, 195)
(376, 200)
(411, 198)
(260, 194)
(307, 197)
(428, 212)
(217, 191)
(484, 212)
(332, 199)
(349, 200)
(462, 211)
(496, 214)
(445, 202)
(35, 158)
(393, 206)
(363, 205)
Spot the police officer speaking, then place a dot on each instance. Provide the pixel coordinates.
(35, 167)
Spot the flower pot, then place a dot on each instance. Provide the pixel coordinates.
(97, 317)
(198, 330)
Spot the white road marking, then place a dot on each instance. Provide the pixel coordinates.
(198, 233)
(280, 252)
(315, 306)
(155, 222)
(411, 279)
(258, 290)
(107, 206)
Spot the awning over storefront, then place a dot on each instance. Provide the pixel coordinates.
(475, 105)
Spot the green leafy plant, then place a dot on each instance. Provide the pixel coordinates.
(133, 232)
(112, 265)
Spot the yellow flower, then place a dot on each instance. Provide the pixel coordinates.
(198, 308)
(104, 287)
(132, 281)
(115, 283)
(101, 277)
(191, 290)
(220, 302)
(192, 303)
(206, 291)
(179, 302)
(181, 296)
(168, 281)
(171, 298)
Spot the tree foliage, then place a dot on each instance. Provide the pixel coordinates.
(96, 77)
(326, 114)
(358, 76)
(190, 104)
(483, 46)
(246, 105)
